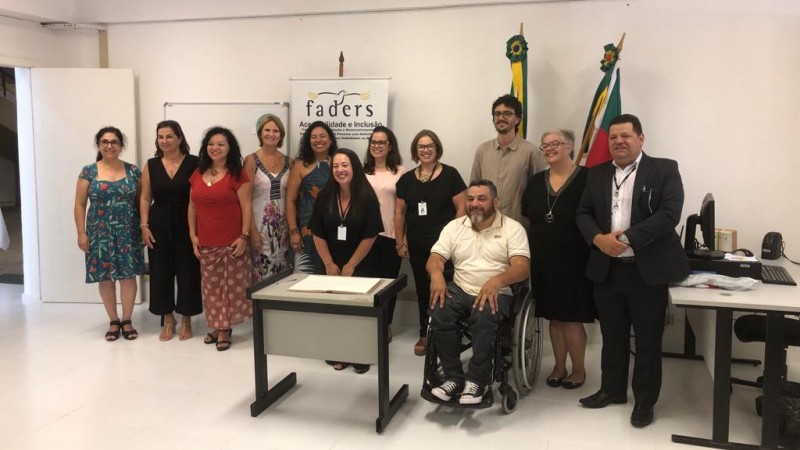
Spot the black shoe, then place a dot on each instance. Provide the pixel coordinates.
(642, 415)
(555, 382)
(567, 384)
(600, 400)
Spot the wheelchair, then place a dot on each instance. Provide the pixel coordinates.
(517, 348)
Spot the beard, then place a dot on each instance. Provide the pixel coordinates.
(477, 217)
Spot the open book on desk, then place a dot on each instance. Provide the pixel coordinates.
(335, 285)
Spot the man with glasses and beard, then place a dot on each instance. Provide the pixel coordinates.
(508, 160)
(489, 251)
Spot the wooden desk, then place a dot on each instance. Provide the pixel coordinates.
(773, 300)
(340, 327)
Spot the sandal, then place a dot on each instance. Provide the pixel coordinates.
(113, 335)
(168, 332)
(130, 334)
(338, 365)
(421, 346)
(223, 344)
(211, 338)
(361, 368)
(186, 330)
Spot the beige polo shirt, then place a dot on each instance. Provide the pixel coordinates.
(509, 169)
(479, 255)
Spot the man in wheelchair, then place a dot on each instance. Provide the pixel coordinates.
(489, 252)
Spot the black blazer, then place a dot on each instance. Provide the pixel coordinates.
(655, 212)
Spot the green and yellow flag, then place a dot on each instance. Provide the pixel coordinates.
(517, 53)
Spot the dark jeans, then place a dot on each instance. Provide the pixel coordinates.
(482, 326)
(624, 299)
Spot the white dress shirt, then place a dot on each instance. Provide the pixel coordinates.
(622, 199)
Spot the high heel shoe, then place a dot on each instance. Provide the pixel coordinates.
(112, 336)
(130, 334)
(168, 332)
(186, 330)
(211, 338)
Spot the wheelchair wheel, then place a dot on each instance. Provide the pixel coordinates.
(509, 401)
(526, 346)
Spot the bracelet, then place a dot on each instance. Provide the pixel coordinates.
(398, 247)
(244, 236)
(294, 230)
(144, 225)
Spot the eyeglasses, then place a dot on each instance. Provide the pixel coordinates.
(422, 147)
(106, 143)
(554, 145)
(378, 143)
(504, 114)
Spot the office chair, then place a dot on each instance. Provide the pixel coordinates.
(753, 328)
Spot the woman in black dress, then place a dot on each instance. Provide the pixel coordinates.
(162, 210)
(428, 197)
(345, 223)
(559, 255)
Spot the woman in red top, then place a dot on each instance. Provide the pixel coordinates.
(220, 213)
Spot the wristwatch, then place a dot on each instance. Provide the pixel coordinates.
(624, 239)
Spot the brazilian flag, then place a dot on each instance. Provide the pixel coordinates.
(517, 53)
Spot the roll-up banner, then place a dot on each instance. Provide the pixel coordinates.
(351, 107)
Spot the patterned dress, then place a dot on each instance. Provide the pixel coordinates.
(112, 224)
(269, 212)
(308, 261)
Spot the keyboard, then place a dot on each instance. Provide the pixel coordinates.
(776, 275)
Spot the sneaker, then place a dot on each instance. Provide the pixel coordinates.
(472, 394)
(446, 390)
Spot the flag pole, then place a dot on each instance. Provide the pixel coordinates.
(590, 131)
(341, 64)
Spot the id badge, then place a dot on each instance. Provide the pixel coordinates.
(341, 233)
(422, 209)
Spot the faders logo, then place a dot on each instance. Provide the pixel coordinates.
(339, 104)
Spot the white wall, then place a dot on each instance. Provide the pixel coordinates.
(712, 81)
(26, 43)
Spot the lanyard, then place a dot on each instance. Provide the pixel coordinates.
(343, 214)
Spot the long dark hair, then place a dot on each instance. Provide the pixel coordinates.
(361, 191)
(393, 158)
(176, 128)
(234, 160)
(103, 131)
(305, 153)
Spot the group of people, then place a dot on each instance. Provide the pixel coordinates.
(596, 243)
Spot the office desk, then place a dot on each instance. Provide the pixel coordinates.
(324, 326)
(773, 300)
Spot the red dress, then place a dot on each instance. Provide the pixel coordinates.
(224, 277)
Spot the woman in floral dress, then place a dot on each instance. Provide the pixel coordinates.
(109, 234)
(268, 168)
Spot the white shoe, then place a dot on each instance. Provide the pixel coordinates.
(446, 390)
(472, 394)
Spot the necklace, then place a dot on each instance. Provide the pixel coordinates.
(214, 172)
(425, 177)
(549, 217)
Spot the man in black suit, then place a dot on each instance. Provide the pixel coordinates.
(628, 214)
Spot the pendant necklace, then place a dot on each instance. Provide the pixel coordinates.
(214, 173)
(549, 217)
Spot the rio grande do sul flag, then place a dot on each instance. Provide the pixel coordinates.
(606, 105)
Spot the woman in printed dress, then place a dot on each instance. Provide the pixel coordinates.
(268, 168)
(220, 217)
(109, 234)
(310, 172)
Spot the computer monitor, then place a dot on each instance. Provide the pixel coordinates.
(706, 221)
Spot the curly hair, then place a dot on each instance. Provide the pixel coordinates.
(234, 160)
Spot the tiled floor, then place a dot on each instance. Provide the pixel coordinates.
(63, 387)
